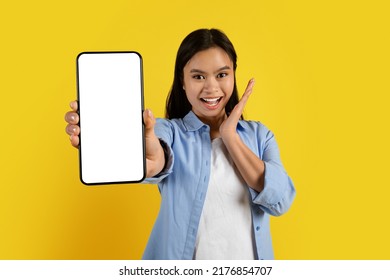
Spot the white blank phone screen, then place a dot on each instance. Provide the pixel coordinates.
(110, 96)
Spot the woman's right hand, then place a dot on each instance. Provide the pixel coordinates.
(155, 158)
(72, 129)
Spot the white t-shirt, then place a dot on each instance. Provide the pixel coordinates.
(225, 228)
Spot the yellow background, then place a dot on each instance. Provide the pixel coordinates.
(322, 72)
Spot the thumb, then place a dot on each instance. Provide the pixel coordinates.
(149, 122)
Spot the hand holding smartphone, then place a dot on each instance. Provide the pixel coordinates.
(110, 94)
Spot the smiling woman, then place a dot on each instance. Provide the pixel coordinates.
(220, 177)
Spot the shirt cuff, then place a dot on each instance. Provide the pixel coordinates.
(169, 159)
(278, 192)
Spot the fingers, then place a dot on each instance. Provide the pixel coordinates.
(239, 108)
(72, 117)
(75, 140)
(74, 105)
(248, 89)
(72, 129)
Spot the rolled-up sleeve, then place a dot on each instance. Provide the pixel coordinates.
(279, 191)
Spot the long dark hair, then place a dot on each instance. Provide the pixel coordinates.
(177, 104)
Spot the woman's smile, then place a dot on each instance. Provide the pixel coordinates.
(211, 103)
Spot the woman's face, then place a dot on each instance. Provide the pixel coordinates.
(209, 82)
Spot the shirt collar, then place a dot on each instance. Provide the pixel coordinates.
(193, 123)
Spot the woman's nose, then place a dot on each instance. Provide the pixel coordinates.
(211, 85)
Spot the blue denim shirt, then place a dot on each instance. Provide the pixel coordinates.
(183, 185)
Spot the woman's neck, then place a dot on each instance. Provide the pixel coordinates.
(214, 123)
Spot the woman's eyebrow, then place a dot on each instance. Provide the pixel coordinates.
(197, 71)
(226, 67)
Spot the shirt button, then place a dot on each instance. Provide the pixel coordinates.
(257, 228)
(207, 163)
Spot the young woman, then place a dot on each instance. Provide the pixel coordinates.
(220, 177)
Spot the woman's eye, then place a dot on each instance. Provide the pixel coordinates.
(221, 75)
(198, 77)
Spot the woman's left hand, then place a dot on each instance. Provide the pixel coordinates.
(229, 125)
(250, 166)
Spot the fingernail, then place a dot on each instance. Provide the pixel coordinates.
(74, 129)
(71, 137)
(72, 117)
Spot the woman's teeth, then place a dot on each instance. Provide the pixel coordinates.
(212, 101)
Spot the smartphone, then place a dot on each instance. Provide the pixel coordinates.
(110, 96)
